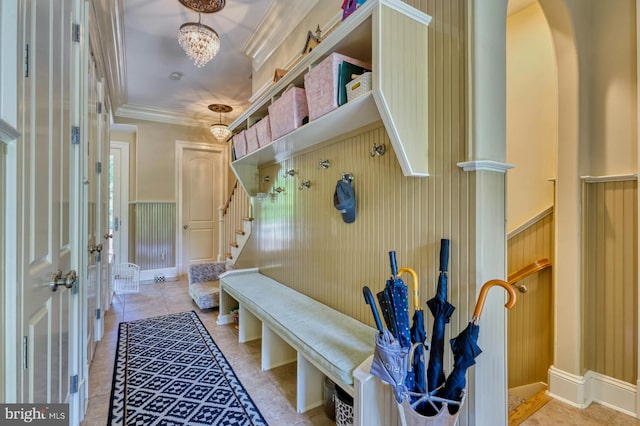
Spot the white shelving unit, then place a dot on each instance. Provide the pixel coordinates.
(393, 37)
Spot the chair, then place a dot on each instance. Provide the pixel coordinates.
(125, 278)
(204, 284)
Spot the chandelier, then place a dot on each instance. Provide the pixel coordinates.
(219, 130)
(200, 42)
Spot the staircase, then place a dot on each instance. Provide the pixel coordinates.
(236, 221)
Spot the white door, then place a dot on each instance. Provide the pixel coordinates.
(91, 203)
(203, 177)
(118, 201)
(45, 167)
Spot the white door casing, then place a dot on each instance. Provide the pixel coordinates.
(120, 208)
(201, 170)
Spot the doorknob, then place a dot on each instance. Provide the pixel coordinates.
(107, 236)
(98, 247)
(185, 226)
(58, 279)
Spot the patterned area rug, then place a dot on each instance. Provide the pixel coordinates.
(169, 371)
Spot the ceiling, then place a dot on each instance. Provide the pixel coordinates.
(139, 40)
(148, 47)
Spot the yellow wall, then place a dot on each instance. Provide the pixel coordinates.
(155, 156)
(611, 279)
(613, 130)
(532, 114)
(323, 12)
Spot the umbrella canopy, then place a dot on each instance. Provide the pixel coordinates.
(398, 295)
(441, 310)
(390, 363)
(465, 347)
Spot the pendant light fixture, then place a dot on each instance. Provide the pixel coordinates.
(219, 130)
(200, 42)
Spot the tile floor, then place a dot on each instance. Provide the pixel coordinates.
(272, 391)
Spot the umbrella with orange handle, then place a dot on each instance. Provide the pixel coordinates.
(465, 348)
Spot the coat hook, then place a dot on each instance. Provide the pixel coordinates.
(324, 164)
(278, 190)
(305, 184)
(378, 150)
(290, 172)
(347, 177)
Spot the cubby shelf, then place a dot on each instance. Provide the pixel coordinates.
(393, 37)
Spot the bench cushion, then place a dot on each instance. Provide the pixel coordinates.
(205, 294)
(335, 341)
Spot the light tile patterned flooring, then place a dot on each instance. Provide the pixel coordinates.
(272, 391)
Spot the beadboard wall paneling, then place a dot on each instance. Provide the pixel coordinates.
(530, 323)
(300, 239)
(610, 279)
(155, 235)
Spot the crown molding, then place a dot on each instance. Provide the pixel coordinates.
(161, 115)
(107, 42)
(486, 165)
(276, 25)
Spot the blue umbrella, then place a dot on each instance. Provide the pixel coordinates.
(389, 358)
(441, 310)
(465, 347)
(397, 291)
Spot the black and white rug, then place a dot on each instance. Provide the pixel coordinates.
(169, 371)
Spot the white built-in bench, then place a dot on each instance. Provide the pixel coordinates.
(295, 327)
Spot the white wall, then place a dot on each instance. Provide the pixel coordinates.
(532, 115)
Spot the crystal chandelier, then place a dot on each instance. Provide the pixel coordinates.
(200, 42)
(219, 130)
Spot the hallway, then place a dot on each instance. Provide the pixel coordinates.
(272, 391)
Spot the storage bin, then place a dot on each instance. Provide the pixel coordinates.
(288, 112)
(324, 82)
(240, 144)
(344, 408)
(263, 128)
(358, 86)
(252, 139)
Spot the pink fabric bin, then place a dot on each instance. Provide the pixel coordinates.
(263, 128)
(286, 113)
(321, 84)
(252, 139)
(240, 144)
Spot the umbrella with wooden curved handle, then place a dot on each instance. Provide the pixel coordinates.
(414, 276)
(483, 296)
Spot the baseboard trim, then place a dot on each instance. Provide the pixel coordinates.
(150, 275)
(580, 391)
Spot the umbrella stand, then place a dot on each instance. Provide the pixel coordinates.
(427, 408)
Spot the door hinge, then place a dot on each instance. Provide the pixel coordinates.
(99, 107)
(26, 60)
(99, 167)
(73, 386)
(75, 135)
(98, 313)
(25, 352)
(76, 33)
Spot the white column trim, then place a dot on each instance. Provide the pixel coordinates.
(610, 178)
(487, 165)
